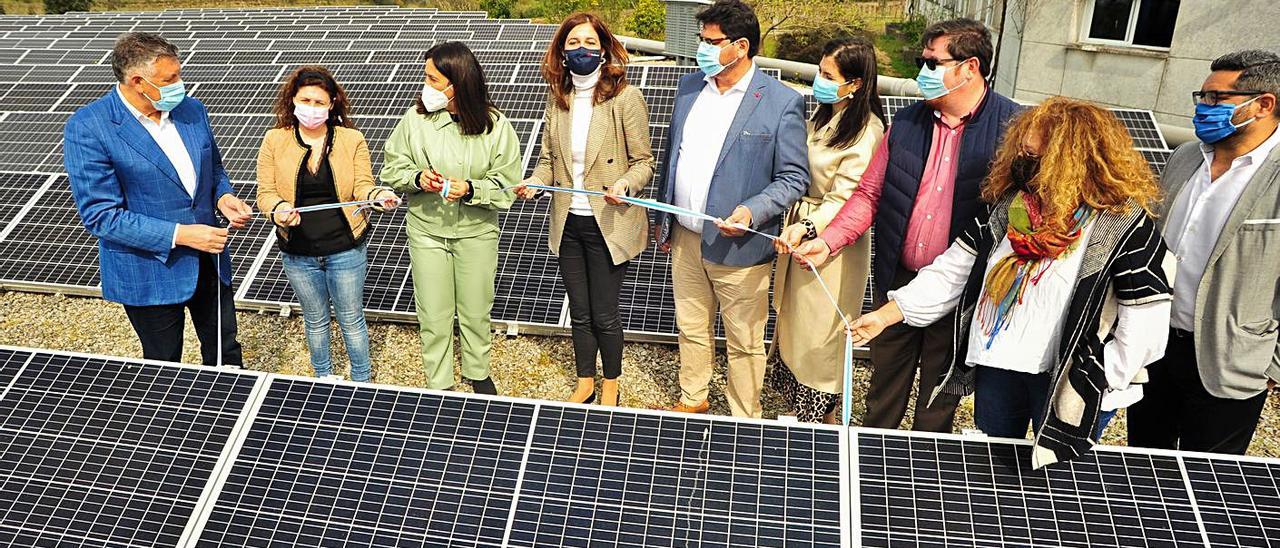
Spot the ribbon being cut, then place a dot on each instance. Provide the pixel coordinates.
(847, 398)
(847, 402)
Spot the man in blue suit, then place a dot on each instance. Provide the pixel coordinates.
(148, 180)
(738, 152)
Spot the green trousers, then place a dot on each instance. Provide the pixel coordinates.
(453, 277)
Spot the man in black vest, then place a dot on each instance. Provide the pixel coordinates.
(922, 189)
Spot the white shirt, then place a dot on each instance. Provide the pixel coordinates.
(705, 130)
(1196, 220)
(581, 110)
(165, 133)
(1030, 341)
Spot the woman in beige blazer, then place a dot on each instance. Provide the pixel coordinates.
(843, 134)
(314, 156)
(595, 136)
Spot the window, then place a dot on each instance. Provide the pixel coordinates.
(1143, 23)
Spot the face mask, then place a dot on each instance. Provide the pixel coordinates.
(309, 116)
(170, 96)
(1213, 122)
(1022, 170)
(825, 91)
(583, 61)
(930, 82)
(434, 99)
(709, 59)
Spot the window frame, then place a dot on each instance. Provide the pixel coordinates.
(1086, 26)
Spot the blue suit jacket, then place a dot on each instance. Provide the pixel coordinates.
(764, 165)
(129, 197)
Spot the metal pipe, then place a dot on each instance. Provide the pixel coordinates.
(888, 85)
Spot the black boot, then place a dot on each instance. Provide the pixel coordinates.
(484, 386)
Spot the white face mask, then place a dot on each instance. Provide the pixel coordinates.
(434, 99)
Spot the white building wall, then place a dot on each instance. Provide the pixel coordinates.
(1053, 60)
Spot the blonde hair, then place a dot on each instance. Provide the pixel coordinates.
(1086, 157)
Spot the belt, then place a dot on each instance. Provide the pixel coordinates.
(1181, 333)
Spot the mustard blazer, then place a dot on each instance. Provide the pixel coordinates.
(617, 150)
(280, 161)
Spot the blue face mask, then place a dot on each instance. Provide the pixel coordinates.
(827, 92)
(709, 59)
(170, 96)
(1213, 122)
(930, 82)
(583, 61)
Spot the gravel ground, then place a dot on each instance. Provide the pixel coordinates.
(525, 366)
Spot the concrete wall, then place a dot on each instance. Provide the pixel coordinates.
(1053, 61)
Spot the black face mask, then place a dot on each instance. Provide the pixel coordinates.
(1022, 170)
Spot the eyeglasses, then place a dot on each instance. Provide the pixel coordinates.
(932, 63)
(1213, 97)
(715, 41)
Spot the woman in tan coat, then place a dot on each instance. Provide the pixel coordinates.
(595, 136)
(843, 134)
(315, 156)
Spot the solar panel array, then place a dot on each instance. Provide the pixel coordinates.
(99, 451)
(234, 61)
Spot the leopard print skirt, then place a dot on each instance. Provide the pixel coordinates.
(807, 404)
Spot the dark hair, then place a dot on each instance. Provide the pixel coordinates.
(470, 91)
(339, 114)
(969, 38)
(737, 20)
(856, 58)
(137, 49)
(613, 70)
(1259, 70)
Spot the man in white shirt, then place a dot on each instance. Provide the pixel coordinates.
(148, 181)
(739, 154)
(1222, 221)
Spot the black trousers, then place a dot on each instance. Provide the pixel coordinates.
(593, 283)
(160, 327)
(1176, 412)
(896, 355)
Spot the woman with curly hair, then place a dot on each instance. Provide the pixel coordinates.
(1062, 289)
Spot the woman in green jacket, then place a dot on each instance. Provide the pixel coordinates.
(453, 154)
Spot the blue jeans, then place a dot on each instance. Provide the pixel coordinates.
(336, 279)
(1005, 402)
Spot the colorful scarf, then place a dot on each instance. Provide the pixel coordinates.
(1033, 254)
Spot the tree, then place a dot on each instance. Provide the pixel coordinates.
(63, 6)
(498, 9)
(648, 20)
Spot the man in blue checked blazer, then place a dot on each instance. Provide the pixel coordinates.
(738, 152)
(147, 176)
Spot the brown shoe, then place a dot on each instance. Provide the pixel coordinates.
(680, 407)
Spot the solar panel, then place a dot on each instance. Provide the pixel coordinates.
(49, 245)
(1156, 159)
(1238, 500)
(951, 490)
(339, 465)
(16, 192)
(1142, 128)
(154, 437)
(602, 478)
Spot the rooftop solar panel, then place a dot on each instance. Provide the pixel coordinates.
(951, 490)
(153, 438)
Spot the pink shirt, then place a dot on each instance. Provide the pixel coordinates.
(929, 228)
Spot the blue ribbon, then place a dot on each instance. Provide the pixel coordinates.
(847, 400)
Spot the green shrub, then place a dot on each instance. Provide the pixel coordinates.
(805, 46)
(498, 9)
(648, 20)
(64, 6)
